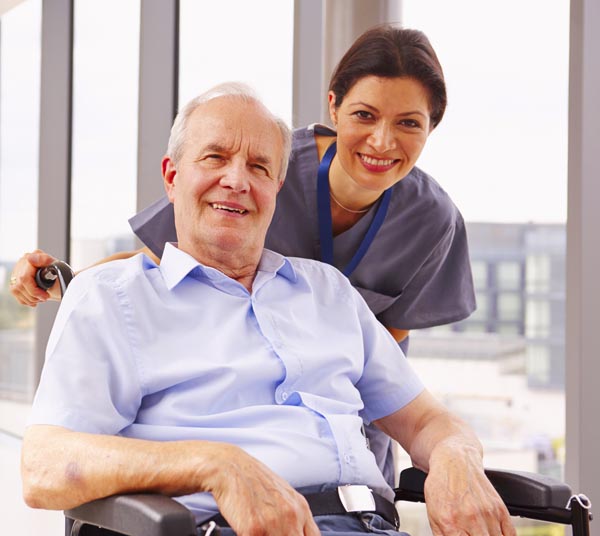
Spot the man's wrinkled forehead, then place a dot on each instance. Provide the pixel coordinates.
(233, 124)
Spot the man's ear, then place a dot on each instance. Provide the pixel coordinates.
(169, 173)
(332, 108)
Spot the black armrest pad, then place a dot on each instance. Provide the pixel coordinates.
(519, 488)
(514, 487)
(137, 515)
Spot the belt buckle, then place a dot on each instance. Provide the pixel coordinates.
(356, 498)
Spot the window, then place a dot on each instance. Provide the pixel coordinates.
(480, 274)
(509, 307)
(19, 128)
(538, 318)
(502, 143)
(258, 53)
(538, 273)
(538, 363)
(508, 275)
(105, 88)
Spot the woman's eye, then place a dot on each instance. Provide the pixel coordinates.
(410, 123)
(362, 114)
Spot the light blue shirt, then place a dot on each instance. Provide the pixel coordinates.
(288, 372)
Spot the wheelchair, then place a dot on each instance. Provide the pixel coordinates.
(528, 495)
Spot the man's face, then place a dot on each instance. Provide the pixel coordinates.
(224, 186)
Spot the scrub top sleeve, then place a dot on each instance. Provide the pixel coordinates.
(155, 225)
(442, 290)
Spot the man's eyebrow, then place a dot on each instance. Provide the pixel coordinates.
(262, 159)
(215, 147)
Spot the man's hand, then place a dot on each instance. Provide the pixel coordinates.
(256, 501)
(62, 469)
(459, 497)
(22, 281)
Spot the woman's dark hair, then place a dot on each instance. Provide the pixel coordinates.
(391, 52)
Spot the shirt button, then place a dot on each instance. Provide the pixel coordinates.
(284, 396)
(347, 458)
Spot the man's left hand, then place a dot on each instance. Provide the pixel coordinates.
(461, 500)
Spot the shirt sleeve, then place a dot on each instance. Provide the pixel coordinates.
(441, 291)
(388, 381)
(155, 225)
(90, 381)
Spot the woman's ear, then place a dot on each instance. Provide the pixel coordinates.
(169, 173)
(332, 107)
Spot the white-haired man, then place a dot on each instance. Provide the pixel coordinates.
(232, 377)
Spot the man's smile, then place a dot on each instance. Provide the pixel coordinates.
(228, 208)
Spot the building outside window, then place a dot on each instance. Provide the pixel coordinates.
(509, 275)
(501, 154)
(480, 274)
(20, 42)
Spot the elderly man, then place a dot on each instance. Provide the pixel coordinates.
(232, 377)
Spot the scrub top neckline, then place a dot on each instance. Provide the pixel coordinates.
(325, 221)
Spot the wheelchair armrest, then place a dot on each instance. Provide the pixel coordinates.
(137, 515)
(525, 494)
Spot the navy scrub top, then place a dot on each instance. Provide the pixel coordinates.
(416, 273)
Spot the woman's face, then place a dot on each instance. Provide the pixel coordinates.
(382, 126)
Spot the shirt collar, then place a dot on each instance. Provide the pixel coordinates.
(176, 265)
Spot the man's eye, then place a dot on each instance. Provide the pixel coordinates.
(212, 159)
(261, 169)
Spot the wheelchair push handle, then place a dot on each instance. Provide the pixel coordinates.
(46, 277)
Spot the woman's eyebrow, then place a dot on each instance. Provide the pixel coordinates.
(370, 106)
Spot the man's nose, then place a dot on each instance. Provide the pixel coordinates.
(236, 177)
(382, 138)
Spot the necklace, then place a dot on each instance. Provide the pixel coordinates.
(348, 209)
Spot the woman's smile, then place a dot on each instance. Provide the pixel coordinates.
(377, 165)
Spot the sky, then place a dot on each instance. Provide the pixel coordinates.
(500, 152)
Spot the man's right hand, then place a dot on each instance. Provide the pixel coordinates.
(60, 470)
(22, 281)
(254, 500)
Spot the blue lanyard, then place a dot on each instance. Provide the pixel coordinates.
(326, 225)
